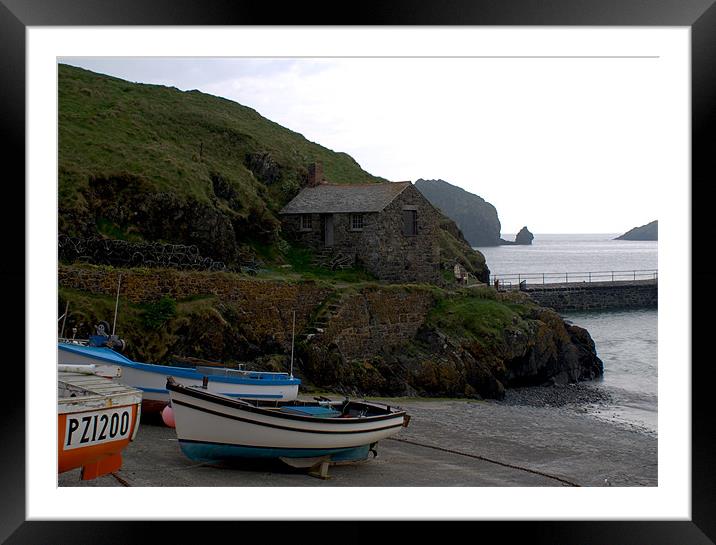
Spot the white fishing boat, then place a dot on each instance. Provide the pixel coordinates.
(212, 427)
(151, 378)
(96, 420)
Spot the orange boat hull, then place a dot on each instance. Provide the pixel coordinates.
(95, 459)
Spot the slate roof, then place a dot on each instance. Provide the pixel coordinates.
(344, 198)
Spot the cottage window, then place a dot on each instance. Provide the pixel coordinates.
(306, 222)
(356, 222)
(410, 222)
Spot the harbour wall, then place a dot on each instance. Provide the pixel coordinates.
(578, 296)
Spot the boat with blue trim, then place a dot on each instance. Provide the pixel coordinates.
(151, 378)
(211, 427)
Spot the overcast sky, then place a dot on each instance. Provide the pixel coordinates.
(557, 145)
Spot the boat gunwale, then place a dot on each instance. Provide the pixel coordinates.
(245, 406)
(186, 372)
(300, 430)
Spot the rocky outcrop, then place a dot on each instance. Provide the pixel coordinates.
(523, 238)
(125, 203)
(264, 167)
(650, 231)
(474, 216)
(430, 357)
(551, 352)
(412, 340)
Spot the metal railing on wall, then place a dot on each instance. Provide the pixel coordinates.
(522, 280)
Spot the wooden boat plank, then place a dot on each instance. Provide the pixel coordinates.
(95, 384)
(78, 404)
(79, 392)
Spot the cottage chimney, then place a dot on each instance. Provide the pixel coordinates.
(315, 174)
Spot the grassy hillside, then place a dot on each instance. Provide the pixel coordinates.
(151, 163)
(181, 151)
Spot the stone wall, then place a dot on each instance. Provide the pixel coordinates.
(313, 237)
(597, 296)
(392, 255)
(364, 323)
(267, 305)
(374, 320)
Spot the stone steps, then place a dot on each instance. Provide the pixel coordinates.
(319, 324)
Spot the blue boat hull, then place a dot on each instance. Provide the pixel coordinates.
(213, 452)
(151, 378)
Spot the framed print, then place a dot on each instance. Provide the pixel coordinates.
(618, 97)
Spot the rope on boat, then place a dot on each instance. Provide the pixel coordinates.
(485, 459)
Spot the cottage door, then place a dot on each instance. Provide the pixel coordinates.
(328, 230)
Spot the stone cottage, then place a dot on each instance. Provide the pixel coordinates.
(389, 228)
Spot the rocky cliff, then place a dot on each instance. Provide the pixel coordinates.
(650, 231)
(359, 340)
(474, 216)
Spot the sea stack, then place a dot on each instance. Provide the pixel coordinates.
(524, 237)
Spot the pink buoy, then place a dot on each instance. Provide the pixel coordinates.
(168, 416)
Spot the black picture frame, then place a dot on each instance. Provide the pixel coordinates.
(699, 15)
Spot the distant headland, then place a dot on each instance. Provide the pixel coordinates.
(476, 218)
(650, 231)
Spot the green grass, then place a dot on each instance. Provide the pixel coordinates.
(173, 141)
(157, 313)
(300, 261)
(125, 143)
(476, 314)
(453, 250)
(113, 231)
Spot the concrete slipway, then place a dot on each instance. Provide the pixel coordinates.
(448, 443)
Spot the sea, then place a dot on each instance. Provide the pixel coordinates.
(626, 340)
